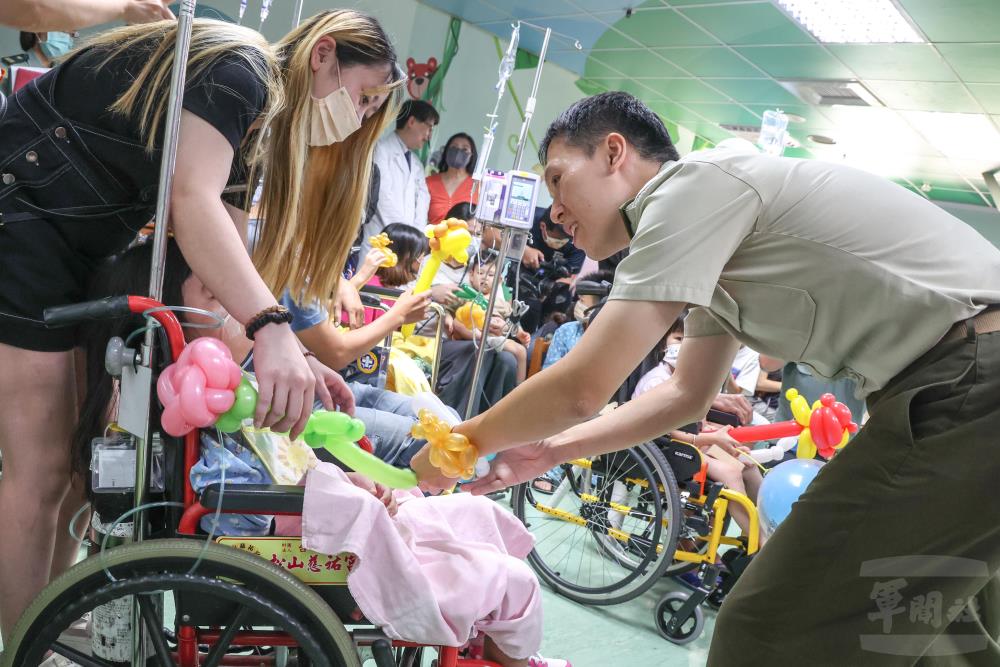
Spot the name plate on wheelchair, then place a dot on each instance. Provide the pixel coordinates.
(310, 567)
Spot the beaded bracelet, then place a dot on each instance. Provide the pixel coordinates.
(272, 315)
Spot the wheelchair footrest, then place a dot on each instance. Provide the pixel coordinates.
(255, 498)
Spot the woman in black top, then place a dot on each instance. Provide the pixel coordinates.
(79, 165)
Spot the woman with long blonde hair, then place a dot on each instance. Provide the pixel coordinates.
(79, 161)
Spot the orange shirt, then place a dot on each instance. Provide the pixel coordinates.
(441, 201)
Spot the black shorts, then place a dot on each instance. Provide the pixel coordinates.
(37, 270)
(61, 211)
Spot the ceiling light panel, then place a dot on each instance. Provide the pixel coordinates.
(971, 138)
(852, 21)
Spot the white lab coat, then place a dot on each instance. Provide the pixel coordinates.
(402, 194)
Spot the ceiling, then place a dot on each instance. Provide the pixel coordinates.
(706, 63)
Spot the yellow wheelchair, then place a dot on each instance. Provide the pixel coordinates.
(616, 523)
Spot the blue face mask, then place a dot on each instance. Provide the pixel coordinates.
(56, 44)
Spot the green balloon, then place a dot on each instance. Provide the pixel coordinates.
(243, 408)
(246, 399)
(228, 423)
(337, 433)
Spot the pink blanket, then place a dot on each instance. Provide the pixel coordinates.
(440, 572)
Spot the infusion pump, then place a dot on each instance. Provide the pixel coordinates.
(508, 198)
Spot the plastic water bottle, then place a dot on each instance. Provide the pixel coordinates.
(772, 132)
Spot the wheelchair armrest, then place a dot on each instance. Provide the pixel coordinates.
(255, 498)
(370, 300)
(382, 292)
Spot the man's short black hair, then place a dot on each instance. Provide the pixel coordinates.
(588, 121)
(419, 109)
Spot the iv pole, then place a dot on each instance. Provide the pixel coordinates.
(143, 449)
(507, 234)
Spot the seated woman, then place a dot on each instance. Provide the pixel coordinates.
(337, 347)
(410, 359)
(452, 184)
(508, 607)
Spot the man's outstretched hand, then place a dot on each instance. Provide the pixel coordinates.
(514, 466)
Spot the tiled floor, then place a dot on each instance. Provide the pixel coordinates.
(622, 635)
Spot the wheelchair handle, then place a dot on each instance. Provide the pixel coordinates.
(117, 306)
(102, 309)
(591, 288)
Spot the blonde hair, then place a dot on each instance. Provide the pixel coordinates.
(146, 99)
(313, 197)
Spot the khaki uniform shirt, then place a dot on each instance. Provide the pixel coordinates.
(805, 261)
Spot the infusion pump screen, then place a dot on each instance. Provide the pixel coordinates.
(520, 201)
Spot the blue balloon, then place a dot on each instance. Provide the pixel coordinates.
(782, 486)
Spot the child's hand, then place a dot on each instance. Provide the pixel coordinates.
(523, 337)
(413, 307)
(449, 325)
(430, 478)
(362, 482)
(373, 260)
(723, 440)
(384, 494)
(496, 325)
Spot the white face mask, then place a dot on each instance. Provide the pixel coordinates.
(554, 243)
(670, 356)
(580, 312)
(333, 118)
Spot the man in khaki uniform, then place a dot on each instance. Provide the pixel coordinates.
(887, 558)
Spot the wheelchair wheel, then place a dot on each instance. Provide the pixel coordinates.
(609, 530)
(689, 630)
(243, 591)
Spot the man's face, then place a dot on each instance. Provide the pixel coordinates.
(416, 133)
(586, 194)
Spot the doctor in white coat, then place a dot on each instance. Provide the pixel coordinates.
(403, 195)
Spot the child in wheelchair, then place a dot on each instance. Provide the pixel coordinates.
(480, 277)
(505, 607)
(719, 449)
(447, 569)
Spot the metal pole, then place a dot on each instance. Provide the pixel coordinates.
(173, 119)
(298, 14)
(481, 350)
(505, 237)
(529, 107)
(185, 19)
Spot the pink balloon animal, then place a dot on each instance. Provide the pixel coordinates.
(198, 387)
